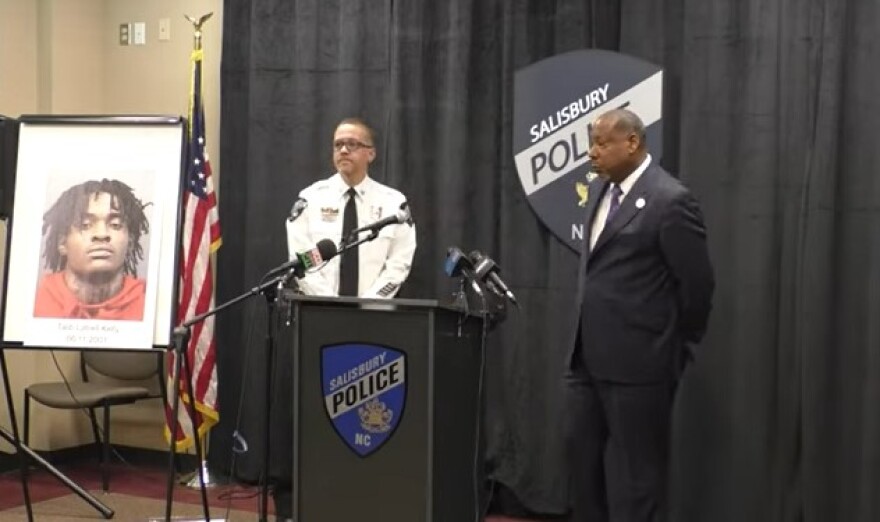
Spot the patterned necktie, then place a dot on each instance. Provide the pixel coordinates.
(348, 264)
(616, 192)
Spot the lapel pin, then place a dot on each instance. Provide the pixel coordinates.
(640, 203)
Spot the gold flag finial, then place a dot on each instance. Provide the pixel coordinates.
(197, 25)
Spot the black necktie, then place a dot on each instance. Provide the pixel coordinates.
(348, 264)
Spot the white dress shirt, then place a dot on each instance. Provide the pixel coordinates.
(625, 186)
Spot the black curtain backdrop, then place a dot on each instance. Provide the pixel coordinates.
(770, 110)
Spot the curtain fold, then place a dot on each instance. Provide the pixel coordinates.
(769, 111)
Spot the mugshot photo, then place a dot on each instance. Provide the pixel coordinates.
(94, 251)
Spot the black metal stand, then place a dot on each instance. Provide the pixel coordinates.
(181, 341)
(272, 295)
(271, 289)
(24, 452)
(180, 344)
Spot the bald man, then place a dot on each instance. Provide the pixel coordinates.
(645, 285)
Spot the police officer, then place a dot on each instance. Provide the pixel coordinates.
(346, 200)
(350, 199)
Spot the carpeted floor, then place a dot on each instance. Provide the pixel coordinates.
(137, 493)
(70, 508)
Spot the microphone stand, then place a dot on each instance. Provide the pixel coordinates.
(273, 289)
(270, 289)
(353, 240)
(461, 302)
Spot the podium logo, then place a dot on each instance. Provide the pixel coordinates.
(364, 389)
(554, 103)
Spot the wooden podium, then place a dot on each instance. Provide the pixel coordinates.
(385, 411)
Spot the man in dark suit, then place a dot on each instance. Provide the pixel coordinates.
(645, 287)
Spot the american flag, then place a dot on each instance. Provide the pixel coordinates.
(200, 238)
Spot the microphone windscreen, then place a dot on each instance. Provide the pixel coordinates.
(482, 264)
(454, 261)
(327, 249)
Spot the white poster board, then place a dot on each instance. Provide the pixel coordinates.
(94, 237)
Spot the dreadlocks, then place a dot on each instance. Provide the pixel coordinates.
(71, 207)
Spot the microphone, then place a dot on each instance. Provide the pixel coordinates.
(457, 264)
(409, 219)
(401, 216)
(323, 251)
(485, 268)
(298, 207)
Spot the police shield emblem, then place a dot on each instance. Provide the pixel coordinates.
(555, 101)
(364, 390)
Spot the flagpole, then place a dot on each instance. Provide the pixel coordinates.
(193, 480)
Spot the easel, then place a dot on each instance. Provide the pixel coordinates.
(172, 142)
(24, 452)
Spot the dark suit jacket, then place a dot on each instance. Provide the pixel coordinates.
(645, 289)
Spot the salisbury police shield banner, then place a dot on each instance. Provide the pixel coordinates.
(364, 393)
(555, 101)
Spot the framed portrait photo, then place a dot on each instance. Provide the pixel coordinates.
(92, 253)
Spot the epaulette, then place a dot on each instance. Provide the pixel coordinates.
(318, 186)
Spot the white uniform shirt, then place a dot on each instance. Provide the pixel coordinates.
(384, 263)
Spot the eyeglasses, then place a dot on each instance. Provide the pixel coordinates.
(351, 145)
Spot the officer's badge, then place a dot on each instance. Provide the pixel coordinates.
(364, 389)
(329, 213)
(375, 213)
